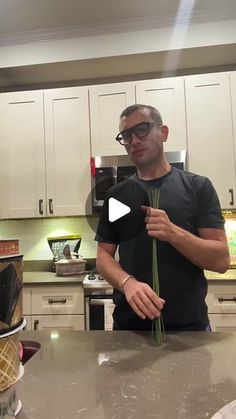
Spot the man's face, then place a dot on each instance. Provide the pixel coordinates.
(148, 148)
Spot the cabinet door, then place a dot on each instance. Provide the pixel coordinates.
(58, 322)
(167, 95)
(26, 301)
(22, 167)
(28, 326)
(233, 104)
(221, 298)
(210, 136)
(106, 104)
(223, 322)
(67, 151)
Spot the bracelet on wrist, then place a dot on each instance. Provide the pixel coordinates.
(123, 282)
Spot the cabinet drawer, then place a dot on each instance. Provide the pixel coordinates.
(221, 299)
(58, 322)
(28, 324)
(26, 301)
(58, 300)
(223, 322)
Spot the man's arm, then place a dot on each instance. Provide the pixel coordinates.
(208, 251)
(142, 299)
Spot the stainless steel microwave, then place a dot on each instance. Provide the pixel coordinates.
(108, 170)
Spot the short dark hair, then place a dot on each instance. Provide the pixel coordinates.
(154, 113)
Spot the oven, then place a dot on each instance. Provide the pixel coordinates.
(98, 303)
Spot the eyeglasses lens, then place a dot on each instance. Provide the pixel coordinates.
(140, 130)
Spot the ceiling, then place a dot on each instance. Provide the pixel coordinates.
(22, 17)
(27, 21)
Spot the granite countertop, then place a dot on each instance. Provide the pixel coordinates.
(121, 375)
(43, 277)
(229, 275)
(40, 272)
(50, 278)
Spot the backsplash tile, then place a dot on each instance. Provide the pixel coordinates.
(33, 233)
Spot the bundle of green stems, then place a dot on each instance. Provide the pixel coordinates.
(158, 330)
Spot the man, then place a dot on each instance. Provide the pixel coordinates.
(188, 226)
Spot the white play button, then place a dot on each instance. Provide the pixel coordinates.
(116, 209)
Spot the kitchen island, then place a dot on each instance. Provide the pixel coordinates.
(124, 375)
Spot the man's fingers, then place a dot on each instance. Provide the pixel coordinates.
(144, 208)
(150, 306)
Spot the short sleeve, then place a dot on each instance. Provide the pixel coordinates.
(208, 213)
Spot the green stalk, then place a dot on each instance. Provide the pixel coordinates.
(158, 331)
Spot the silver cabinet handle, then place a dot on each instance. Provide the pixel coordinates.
(50, 204)
(61, 301)
(231, 191)
(222, 299)
(41, 206)
(36, 323)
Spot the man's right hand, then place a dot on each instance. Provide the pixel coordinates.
(142, 299)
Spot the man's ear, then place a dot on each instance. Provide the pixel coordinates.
(165, 132)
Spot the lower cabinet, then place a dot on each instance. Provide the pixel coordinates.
(221, 301)
(68, 322)
(54, 307)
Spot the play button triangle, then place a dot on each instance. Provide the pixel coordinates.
(116, 209)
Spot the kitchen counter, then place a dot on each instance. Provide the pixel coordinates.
(42, 277)
(121, 375)
(229, 275)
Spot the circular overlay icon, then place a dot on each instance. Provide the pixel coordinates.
(121, 211)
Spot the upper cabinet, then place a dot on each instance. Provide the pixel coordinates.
(210, 132)
(67, 142)
(167, 95)
(107, 101)
(232, 76)
(22, 162)
(45, 150)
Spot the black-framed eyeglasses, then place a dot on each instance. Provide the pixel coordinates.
(141, 130)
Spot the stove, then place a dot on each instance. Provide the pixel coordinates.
(95, 281)
(98, 302)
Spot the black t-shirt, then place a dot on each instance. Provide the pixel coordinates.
(190, 202)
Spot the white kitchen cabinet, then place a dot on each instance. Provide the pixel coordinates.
(29, 323)
(58, 322)
(221, 301)
(232, 76)
(27, 305)
(45, 150)
(22, 161)
(67, 140)
(167, 95)
(210, 132)
(107, 101)
(58, 306)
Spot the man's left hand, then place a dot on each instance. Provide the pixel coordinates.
(158, 224)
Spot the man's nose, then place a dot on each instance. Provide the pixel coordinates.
(134, 138)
